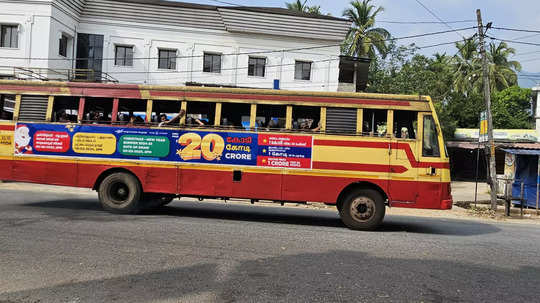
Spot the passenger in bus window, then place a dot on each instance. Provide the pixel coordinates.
(176, 119)
(404, 133)
(194, 121)
(62, 117)
(272, 124)
(318, 128)
(93, 117)
(135, 120)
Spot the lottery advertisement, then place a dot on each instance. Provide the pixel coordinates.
(228, 148)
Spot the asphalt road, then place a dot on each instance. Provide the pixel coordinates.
(61, 247)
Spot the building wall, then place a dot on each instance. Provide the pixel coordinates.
(33, 21)
(42, 25)
(536, 97)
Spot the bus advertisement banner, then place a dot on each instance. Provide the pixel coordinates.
(188, 146)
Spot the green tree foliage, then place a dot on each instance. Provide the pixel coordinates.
(364, 39)
(300, 6)
(511, 108)
(404, 71)
(468, 67)
(502, 72)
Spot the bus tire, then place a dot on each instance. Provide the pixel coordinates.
(362, 209)
(120, 193)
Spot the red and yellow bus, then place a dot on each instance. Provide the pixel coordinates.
(142, 146)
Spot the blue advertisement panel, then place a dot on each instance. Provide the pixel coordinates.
(96, 141)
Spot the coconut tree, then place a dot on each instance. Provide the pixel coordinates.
(300, 6)
(364, 39)
(467, 67)
(502, 72)
(297, 6)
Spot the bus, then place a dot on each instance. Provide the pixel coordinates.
(142, 146)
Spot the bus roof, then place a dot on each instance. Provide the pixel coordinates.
(136, 91)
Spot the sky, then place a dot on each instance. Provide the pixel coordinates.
(519, 14)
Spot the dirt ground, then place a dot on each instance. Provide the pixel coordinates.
(462, 192)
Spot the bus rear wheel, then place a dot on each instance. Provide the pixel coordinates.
(120, 193)
(362, 209)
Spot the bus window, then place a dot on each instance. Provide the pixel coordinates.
(98, 110)
(200, 113)
(430, 142)
(306, 118)
(341, 120)
(405, 124)
(235, 115)
(164, 111)
(271, 116)
(375, 122)
(65, 109)
(132, 111)
(7, 105)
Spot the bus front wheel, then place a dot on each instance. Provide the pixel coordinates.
(120, 193)
(362, 209)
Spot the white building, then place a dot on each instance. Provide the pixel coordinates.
(172, 43)
(536, 99)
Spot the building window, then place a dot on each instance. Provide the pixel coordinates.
(257, 67)
(123, 55)
(63, 46)
(9, 36)
(167, 59)
(212, 63)
(302, 70)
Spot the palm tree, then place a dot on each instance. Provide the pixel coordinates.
(502, 72)
(467, 67)
(297, 6)
(300, 6)
(363, 39)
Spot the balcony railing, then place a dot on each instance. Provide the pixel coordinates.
(52, 74)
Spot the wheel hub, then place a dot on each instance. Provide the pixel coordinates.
(362, 209)
(119, 193)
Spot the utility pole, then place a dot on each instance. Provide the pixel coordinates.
(487, 98)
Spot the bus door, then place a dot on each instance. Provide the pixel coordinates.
(403, 185)
(429, 167)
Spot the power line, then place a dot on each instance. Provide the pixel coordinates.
(527, 53)
(526, 37)
(182, 57)
(437, 17)
(514, 41)
(517, 30)
(438, 44)
(424, 22)
(529, 60)
(529, 75)
(248, 53)
(225, 2)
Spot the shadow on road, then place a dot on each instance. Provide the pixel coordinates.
(331, 276)
(90, 210)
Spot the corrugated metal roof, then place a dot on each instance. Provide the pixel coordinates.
(145, 11)
(244, 21)
(530, 152)
(520, 145)
(73, 6)
(256, 20)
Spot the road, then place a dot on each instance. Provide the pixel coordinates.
(59, 246)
